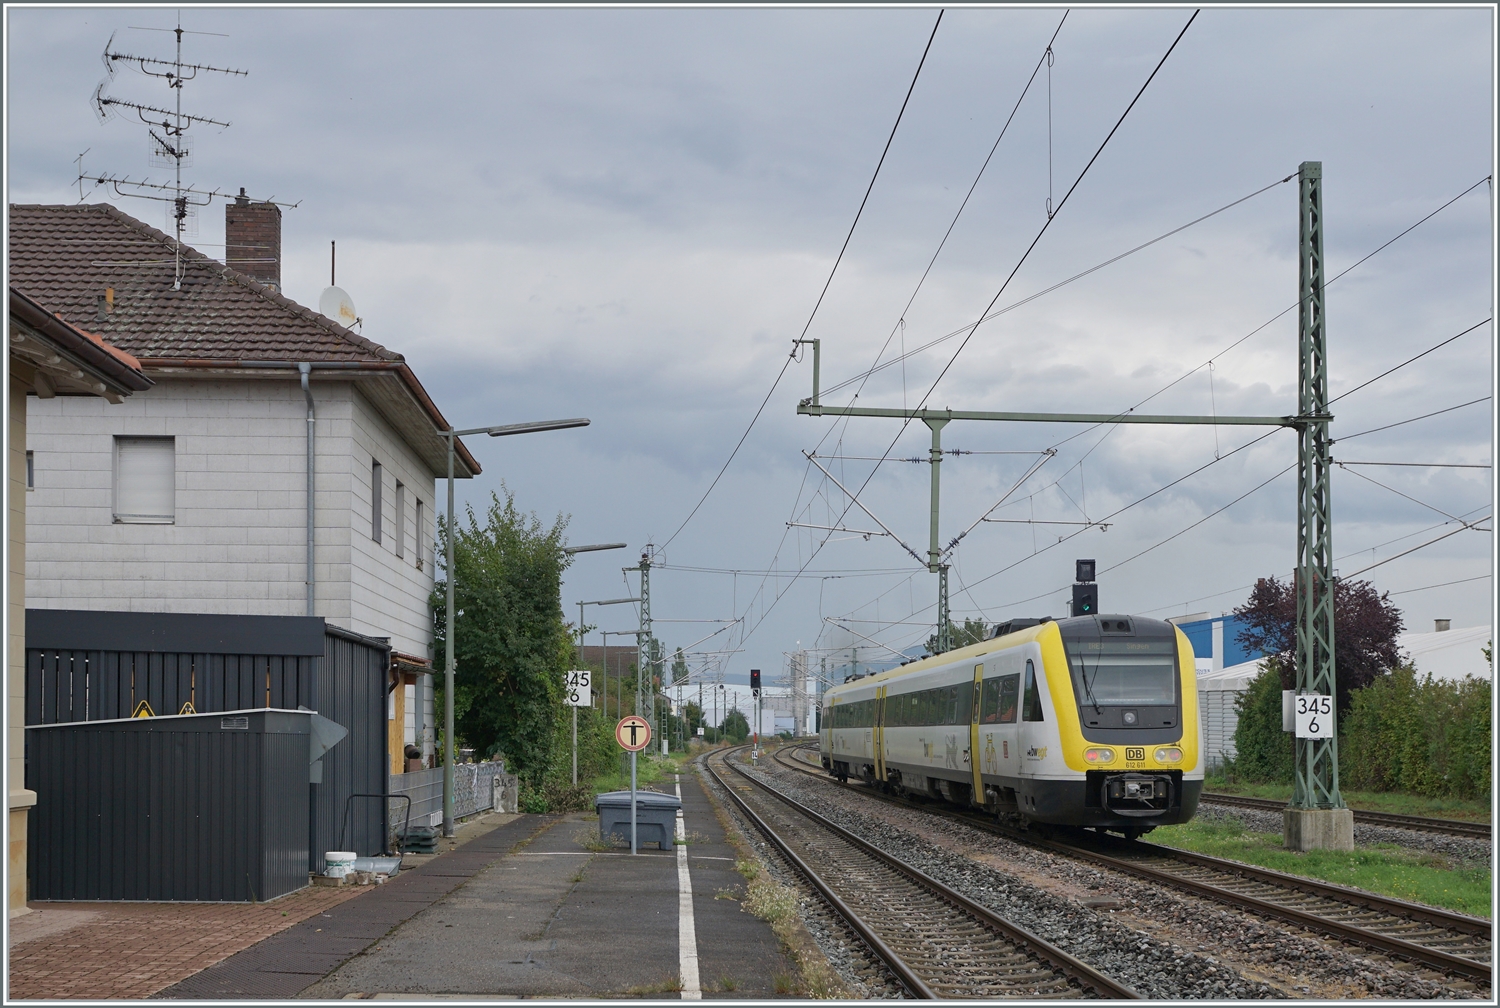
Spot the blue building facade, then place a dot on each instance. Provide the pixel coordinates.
(1217, 640)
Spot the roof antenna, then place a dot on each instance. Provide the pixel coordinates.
(168, 128)
(333, 261)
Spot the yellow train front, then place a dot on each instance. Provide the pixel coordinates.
(1085, 721)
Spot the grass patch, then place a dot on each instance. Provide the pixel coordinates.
(664, 986)
(1384, 868)
(648, 770)
(1467, 809)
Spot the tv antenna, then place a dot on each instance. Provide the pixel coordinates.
(169, 131)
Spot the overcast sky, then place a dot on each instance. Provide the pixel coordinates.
(629, 214)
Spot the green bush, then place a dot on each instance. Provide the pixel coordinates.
(1425, 736)
(1263, 752)
(1420, 736)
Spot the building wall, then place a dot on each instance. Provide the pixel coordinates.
(389, 593)
(238, 542)
(15, 528)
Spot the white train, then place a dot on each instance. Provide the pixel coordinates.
(1085, 721)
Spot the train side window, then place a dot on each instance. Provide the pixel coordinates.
(989, 702)
(962, 711)
(1031, 705)
(1009, 687)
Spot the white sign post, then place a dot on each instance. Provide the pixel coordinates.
(577, 685)
(1314, 716)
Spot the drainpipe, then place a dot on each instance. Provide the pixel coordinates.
(306, 370)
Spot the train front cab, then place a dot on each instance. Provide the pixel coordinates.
(1122, 696)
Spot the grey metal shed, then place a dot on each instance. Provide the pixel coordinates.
(195, 807)
(90, 665)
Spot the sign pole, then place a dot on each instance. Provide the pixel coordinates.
(575, 746)
(639, 730)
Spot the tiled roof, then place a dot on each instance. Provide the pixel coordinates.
(65, 257)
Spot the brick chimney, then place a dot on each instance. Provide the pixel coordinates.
(252, 239)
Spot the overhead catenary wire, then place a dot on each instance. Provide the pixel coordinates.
(1414, 419)
(1057, 286)
(1464, 528)
(839, 259)
(1020, 262)
(854, 497)
(1445, 584)
(1403, 364)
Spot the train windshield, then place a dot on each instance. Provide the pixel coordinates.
(1115, 673)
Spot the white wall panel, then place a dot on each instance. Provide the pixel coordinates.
(237, 545)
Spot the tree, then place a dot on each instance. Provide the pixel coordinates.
(735, 727)
(972, 632)
(692, 715)
(1365, 626)
(679, 668)
(513, 644)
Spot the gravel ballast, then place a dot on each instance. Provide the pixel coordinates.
(1163, 943)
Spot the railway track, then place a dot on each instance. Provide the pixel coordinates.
(1451, 943)
(938, 942)
(1424, 824)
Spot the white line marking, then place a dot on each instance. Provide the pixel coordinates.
(687, 935)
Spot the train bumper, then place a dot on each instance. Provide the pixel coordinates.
(1086, 802)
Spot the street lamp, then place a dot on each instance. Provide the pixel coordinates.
(617, 601)
(453, 436)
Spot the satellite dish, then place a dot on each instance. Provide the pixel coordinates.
(335, 304)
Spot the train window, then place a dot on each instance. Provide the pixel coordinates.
(999, 703)
(1124, 672)
(1031, 706)
(989, 702)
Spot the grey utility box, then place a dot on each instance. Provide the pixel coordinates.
(194, 807)
(655, 817)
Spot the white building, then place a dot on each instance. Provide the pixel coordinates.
(192, 497)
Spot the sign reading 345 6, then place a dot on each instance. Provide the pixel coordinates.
(578, 685)
(1314, 715)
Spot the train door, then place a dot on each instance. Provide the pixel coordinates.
(975, 753)
(880, 732)
(996, 727)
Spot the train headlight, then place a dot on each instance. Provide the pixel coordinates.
(1098, 756)
(1169, 754)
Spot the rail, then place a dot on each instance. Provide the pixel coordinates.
(1460, 945)
(1424, 824)
(899, 946)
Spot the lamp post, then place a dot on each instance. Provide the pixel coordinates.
(614, 601)
(449, 628)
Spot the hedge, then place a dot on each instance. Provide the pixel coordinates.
(1422, 736)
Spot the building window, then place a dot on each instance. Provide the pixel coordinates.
(400, 520)
(30, 470)
(145, 480)
(421, 532)
(375, 480)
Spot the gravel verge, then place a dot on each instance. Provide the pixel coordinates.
(1164, 943)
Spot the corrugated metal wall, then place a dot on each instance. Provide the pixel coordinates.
(354, 696)
(174, 808)
(1216, 708)
(83, 665)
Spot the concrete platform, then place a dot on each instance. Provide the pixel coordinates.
(550, 918)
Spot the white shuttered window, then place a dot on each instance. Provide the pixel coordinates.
(145, 480)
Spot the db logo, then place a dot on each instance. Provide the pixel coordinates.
(1135, 753)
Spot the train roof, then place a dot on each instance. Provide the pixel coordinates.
(984, 647)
